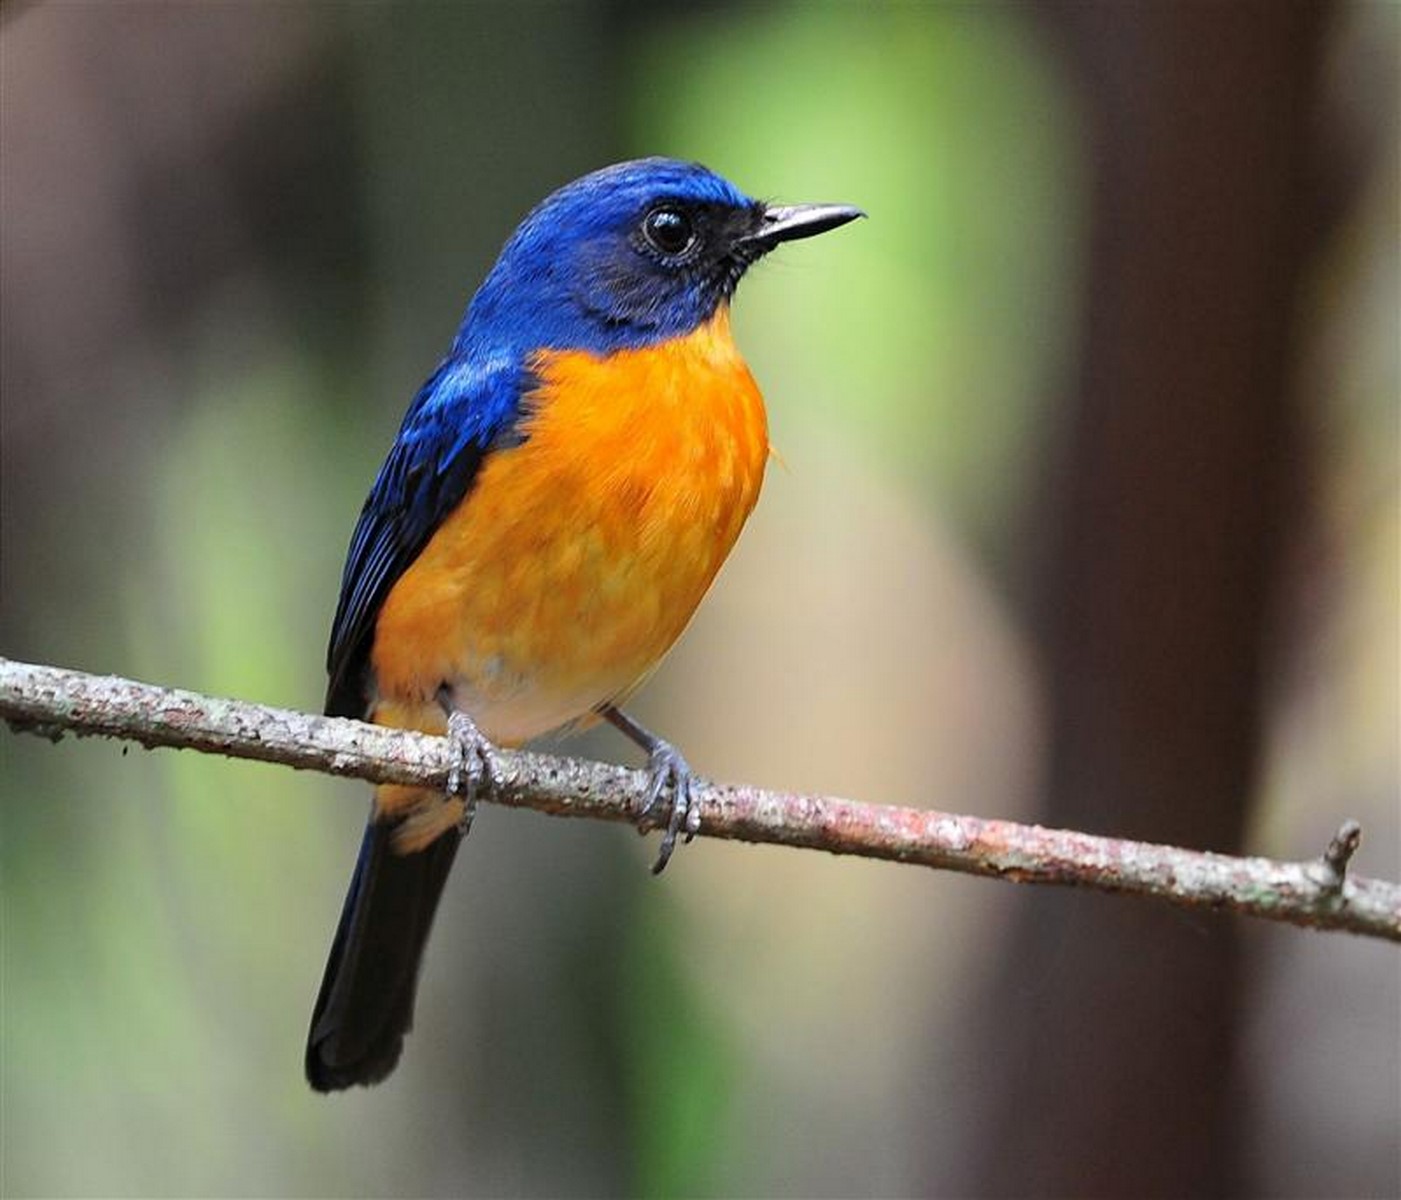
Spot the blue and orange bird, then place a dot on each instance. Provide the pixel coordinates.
(560, 495)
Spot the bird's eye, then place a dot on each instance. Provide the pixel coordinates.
(669, 230)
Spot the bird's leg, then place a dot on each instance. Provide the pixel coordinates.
(667, 769)
(473, 768)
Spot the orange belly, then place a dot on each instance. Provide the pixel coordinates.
(579, 556)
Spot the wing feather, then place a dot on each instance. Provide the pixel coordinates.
(460, 415)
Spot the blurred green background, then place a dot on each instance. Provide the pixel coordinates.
(234, 238)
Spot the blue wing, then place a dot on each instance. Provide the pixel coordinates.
(461, 414)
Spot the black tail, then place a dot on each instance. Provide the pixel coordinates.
(365, 1006)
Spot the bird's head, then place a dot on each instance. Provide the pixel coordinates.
(628, 256)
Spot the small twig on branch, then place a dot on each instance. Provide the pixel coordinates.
(1320, 893)
(1332, 873)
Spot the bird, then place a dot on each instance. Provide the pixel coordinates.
(561, 493)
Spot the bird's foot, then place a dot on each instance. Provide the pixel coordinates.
(474, 769)
(668, 771)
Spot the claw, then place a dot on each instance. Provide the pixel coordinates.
(666, 770)
(473, 768)
(669, 770)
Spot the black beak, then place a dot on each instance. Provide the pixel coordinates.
(788, 223)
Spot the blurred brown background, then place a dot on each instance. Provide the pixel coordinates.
(1088, 514)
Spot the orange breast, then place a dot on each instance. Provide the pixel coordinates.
(580, 555)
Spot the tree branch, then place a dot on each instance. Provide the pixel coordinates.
(1320, 893)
